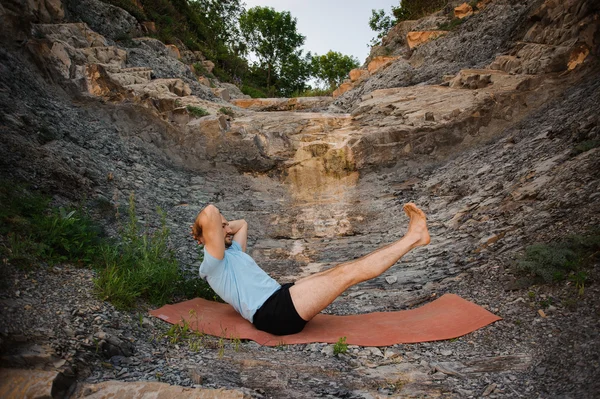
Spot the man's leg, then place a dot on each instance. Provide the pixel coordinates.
(314, 293)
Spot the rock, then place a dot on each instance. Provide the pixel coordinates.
(16, 383)
(110, 389)
(223, 93)
(391, 279)
(415, 39)
(327, 350)
(379, 63)
(209, 65)
(358, 74)
(489, 390)
(173, 51)
(462, 11)
(108, 20)
(439, 376)
(344, 87)
(446, 352)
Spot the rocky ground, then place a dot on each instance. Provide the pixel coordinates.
(496, 168)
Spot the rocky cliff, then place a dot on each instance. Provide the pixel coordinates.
(482, 124)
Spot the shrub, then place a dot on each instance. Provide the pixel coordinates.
(226, 111)
(557, 261)
(253, 92)
(197, 111)
(136, 265)
(585, 146)
(340, 346)
(313, 93)
(415, 9)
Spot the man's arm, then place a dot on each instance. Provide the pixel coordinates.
(212, 231)
(240, 232)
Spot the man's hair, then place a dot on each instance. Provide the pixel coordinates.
(196, 230)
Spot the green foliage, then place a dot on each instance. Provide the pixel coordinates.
(381, 23)
(585, 146)
(197, 111)
(415, 9)
(141, 265)
(253, 92)
(340, 346)
(313, 93)
(451, 25)
(226, 111)
(272, 36)
(557, 261)
(138, 265)
(332, 68)
(35, 233)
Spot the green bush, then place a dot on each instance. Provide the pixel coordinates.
(137, 265)
(253, 92)
(585, 146)
(313, 93)
(415, 9)
(557, 261)
(198, 112)
(226, 111)
(140, 265)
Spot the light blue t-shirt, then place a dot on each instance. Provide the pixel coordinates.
(238, 280)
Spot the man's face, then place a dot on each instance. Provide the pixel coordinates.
(227, 234)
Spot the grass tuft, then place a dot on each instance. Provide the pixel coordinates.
(138, 264)
(198, 112)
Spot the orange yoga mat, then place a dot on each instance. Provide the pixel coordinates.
(447, 317)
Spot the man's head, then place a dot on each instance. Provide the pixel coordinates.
(227, 232)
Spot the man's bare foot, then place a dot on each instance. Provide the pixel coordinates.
(417, 228)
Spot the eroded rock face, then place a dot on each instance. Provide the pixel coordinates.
(282, 104)
(414, 39)
(462, 11)
(110, 21)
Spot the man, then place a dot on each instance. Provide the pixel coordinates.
(286, 309)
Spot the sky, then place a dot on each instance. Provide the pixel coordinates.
(338, 25)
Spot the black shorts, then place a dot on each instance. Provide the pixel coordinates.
(278, 315)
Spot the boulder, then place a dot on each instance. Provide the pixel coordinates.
(173, 51)
(378, 63)
(78, 35)
(106, 55)
(209, 65)
(462, 11)
(358, 74)
(344, 87)
(39, 11)
(415, 39)
(234, 91)
(222, 93)
(110, 21)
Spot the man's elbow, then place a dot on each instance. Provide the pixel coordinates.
(210, 209)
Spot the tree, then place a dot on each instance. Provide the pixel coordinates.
(295, 72)
(272, 36)
(333, 67)
(381, 23)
